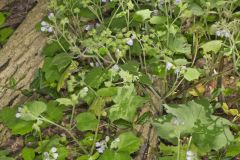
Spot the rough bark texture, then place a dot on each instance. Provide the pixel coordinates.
(21, 56)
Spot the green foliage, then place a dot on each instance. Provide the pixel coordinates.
(113, 67)
(195, 118)
(213, 46)
(126, 104)
(2, 18)
(86, 121)
(5, 33)
(191, 74)
(28, 153)
(7, 116)
(128, 143)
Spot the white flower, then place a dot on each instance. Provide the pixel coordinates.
(223, 33)
(227, 34)
(116, 67)
(178, 1)
(55, 155)
(101, 149)
(176, 71)
(169, 65)
(218, 33)
(50, 29)
(20, 109)
(104, 1)
(50, 16)
(46, 154)
(102, 145)
(190, 155)
(98, 144)
(88, 27)
(53, 149)
(91, 64)
(43, 29)
(107, 138)
(18, 115)
(130, 42)
(44, 24)
(97, 64)
(85, 89)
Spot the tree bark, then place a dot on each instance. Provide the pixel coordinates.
(21, 56)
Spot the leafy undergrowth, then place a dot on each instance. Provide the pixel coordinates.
(108, 60)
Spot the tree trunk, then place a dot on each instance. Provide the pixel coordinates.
(21, 56)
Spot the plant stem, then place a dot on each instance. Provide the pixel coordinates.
(66, 130)
(71, 120)
(95, 136)
(179, 147)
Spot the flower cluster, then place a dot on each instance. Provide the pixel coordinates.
(45, 27)
(102, 145)
(223, 33)
(18, 114)
(51, 155)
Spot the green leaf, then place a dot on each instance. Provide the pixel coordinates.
(66, 74)
(131, 66)
(65, 101)
(181, 62)
(51, 72)
(28, 153)
(5, 33)
(53, 107)
(61, 61)
(191, 74)
(195, 118)
(108, 154)
(17, 126)
(144, 79)
(179, 44)
(95, 77)
(97, 106)
(213, 46)
(107, 92)
(2, 18)
(142, 15)
(158, 20)
(37, 107)
(53, 48)
(233, 148)
(126, 104)
(128, 143)
(87, 121)
(196, 9)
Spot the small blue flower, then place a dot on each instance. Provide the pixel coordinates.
(218, 33)
(178, 1)
(130, 42)
(169, 65)
(50, 16)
